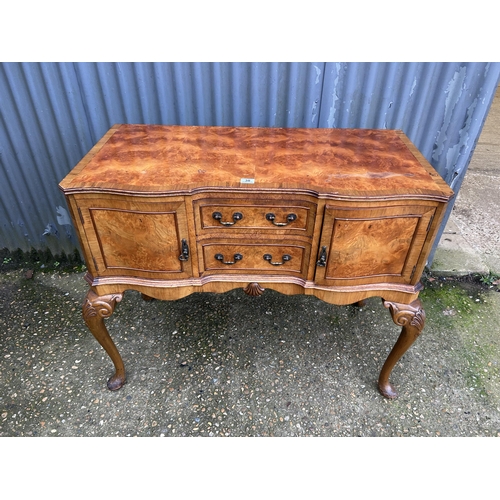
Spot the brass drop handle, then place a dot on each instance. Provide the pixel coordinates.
(184, 256)
(269, 259)
(236, 217)
(289, 219)
(236, 257)
(322, 257)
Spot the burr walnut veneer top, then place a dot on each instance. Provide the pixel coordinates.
(333, 163)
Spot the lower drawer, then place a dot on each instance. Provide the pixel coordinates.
(251, 258)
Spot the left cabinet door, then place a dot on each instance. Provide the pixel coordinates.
(133, 236)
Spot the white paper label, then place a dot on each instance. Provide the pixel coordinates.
(247, 181)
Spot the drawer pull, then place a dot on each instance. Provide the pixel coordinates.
(322, 258)
(184, 256)
(236, 257)
(236, 217)
(269, 259)
(289, 219)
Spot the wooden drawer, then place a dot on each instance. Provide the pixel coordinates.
(267, 216)
(288, 258)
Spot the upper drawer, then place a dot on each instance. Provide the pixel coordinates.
(259, 216)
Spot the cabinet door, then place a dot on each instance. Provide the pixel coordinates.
(136, 238)
(372, 245)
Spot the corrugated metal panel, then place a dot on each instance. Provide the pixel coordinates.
(43, 130)
(232, 94)
(52, 113)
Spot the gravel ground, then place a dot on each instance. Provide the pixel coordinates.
(238, 366)
(233, 365)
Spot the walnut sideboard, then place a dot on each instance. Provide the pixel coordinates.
(341, 214)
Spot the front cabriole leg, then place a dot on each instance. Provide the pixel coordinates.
(412, 318)
(95, 309)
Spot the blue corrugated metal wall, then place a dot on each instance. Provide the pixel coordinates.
(51, 114)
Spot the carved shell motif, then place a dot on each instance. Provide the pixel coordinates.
(253, 289)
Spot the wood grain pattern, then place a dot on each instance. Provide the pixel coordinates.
(376, 244)
(354, 255)
(133, 236)
(335, 162)
(138, 240)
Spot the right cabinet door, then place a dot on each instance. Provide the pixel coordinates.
(372, 244)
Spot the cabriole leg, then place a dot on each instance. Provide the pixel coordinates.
(412, 318)
(95, 309)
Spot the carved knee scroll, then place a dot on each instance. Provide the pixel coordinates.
(412, 318)
(407, 314)
(95, 309)
(99, 305)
